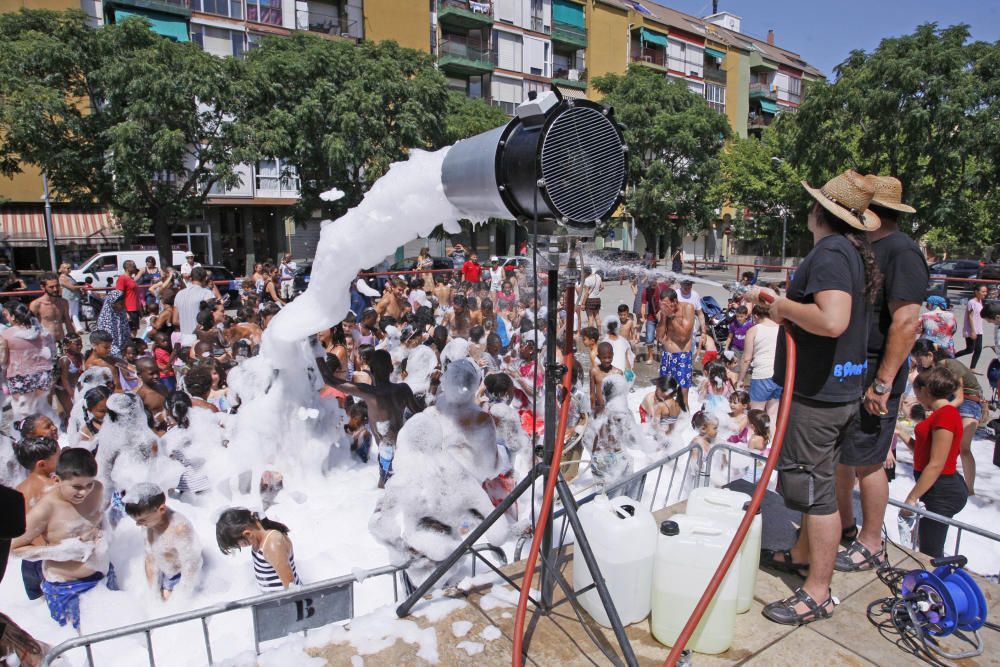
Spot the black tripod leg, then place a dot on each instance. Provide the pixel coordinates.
(460, 551)
(570, 506)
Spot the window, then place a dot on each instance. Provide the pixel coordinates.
(534, 86)
(677, 56)
(794, 89)
(253, 40)
(277, 177)
(716, 96)
(507, 93)
(230, 8)
(218, 41)
(509, 51)
(264, 11)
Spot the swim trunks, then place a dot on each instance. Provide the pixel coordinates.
(63, 597)
(168, 583)
(678, 366)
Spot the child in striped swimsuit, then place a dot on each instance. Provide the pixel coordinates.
(273, 557)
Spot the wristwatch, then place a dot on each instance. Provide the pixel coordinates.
(881, 389)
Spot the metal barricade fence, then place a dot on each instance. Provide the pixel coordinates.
(274, 614)
(959, 526)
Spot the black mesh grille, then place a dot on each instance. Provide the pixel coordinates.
(583, 165)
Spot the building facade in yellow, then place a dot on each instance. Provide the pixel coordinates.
(404, 21)
(607, 41)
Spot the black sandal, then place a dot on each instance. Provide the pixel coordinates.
(787, 564)
(783, 611)
(870, 561)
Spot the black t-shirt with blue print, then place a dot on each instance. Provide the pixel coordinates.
(831, 370)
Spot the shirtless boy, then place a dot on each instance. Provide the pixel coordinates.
(38, 455)
(605, 353)
(70, 520)
(589, 337)
(173, 552)
(52, 310)
(393, 301)
(152, 392)
(675, 322)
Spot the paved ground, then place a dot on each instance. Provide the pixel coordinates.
(560, 638)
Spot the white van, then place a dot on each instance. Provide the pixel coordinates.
(106, 265)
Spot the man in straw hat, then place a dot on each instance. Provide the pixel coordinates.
(825, 310)
(893, 318)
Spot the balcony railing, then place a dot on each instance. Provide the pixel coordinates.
(466, 51)
(758, 89)
(327, 20)
(575, 78)
(465, 13)
(715, 74)
(758, 121)
(650, 56)
(484, 7)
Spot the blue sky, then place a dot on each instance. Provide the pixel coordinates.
(824, 32)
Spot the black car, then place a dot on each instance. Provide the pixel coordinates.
(304, 274)
(410, 264)
(989, 272)
(957, 268)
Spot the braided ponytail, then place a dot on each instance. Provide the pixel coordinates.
(858, 239)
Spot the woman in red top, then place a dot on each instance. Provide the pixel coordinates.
(936, 444)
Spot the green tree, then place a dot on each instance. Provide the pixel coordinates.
(342, 113)
(468, 117)
(921, 107)
(120, 116)
(755, 176)
(674, 141)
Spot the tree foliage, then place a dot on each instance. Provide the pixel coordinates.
(922, 107)
(674, 141)
(467, 117)
(119, 115)
(342, 113)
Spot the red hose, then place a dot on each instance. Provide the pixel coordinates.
(748, 517)
(550, 486)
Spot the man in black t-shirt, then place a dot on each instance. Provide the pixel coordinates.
(826, 313)
(893, 319)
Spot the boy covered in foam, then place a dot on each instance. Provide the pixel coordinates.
(70, 519)
(38, 455)
(173, 553)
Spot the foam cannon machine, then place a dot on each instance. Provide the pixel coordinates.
(558, 167)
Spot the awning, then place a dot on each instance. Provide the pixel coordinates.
(651, 37)
(569, 13)
(572, 92)
(171, 27)
(767, 106)
(27, 226)
(721, 55)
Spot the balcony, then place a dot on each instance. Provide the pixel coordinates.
(327, 19)
(570, 78)
(765, 90)
(176, 7)
(459, 57)
(655, 58)
(758, 121)
(467, 14)
(715, 75)
(571, 35)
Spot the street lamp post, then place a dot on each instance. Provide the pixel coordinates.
(776, 163)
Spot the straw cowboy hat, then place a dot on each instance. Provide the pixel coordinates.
(889, 194)
(847, 196)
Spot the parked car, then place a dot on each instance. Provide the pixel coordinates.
(957, 268)
(303, 275)
(989, 272)
(104, 265)
(616, 255)
(410, 264)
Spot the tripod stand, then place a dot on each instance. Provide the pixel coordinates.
(545, 470)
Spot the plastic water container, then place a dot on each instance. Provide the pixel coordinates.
(622, 535)
(730, 505)
(688, 551)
